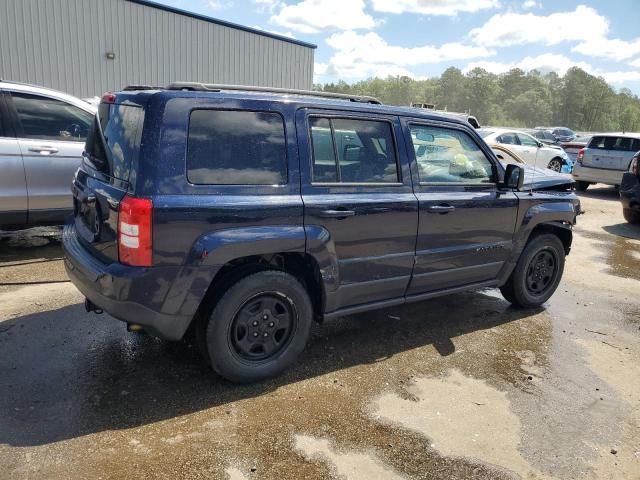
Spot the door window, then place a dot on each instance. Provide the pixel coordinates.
(526, 140)
(449, 156)
(50, 119)
(347, 150)
(624, 144)
(509, 139)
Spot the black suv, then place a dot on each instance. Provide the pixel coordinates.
(244, 214)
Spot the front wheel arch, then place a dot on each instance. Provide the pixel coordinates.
(559, 161)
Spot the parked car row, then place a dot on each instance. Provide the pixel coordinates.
(531, 150)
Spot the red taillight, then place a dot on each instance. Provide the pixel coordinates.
(580, 156)
(108, 98)
(135, 241)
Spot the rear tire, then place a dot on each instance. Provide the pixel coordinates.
(582, 186)
(259, 326)
(631, 216)
(537, 273)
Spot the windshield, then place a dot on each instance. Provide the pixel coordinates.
(483, 132)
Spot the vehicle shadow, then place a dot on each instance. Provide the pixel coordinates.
(65, 374)
(601, 193)
(625, 230)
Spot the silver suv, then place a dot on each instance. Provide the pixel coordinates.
(42, 136)
(605, 159)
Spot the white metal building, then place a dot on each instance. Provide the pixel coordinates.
(87, 47)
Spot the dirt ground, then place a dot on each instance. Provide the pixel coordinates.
(460, 387)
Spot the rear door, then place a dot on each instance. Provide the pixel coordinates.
(111, 153)
(466, 225)
(13, 186)
(356, 187)
(51, 135)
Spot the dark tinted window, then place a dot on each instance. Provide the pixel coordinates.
(49, 119)
(236, 148)
(449, 156)
(365, 151)
(508, 139)
(113, 149)
(622, 144)
(324, 158)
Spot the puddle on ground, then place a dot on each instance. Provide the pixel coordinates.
(620, 368)
(621, 255)
(349, 465)
(234, 473)
(463, 417)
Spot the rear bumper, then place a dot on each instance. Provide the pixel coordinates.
(597, 175)
(630, 192)
(131, 294)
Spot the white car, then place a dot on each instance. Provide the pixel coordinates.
(531, 150)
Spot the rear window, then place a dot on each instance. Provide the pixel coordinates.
(113, 144)
(622, 144)
(236, 148)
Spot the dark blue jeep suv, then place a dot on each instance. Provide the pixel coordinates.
(245, 214)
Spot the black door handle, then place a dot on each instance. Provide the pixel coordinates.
(337, 213)
(441, 209)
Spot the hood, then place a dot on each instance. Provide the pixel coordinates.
(536, 178)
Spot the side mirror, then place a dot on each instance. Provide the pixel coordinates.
(540, 144)
(513, 177)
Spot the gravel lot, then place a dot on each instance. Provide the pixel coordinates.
(460, 387)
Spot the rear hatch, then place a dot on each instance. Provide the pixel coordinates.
(610, 152)
(106, 175)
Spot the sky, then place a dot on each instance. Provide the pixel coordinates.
(358, 39)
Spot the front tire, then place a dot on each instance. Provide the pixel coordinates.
(259, 326)
(537, 273)
(582, 186)
(555, 164)
(631, 216)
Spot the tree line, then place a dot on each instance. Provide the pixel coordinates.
(578, 100)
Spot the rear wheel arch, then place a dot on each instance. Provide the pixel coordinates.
(303, 267)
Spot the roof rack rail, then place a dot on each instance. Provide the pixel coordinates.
(211, 87)
(130, 88)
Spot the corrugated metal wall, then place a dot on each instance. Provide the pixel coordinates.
(63, 44)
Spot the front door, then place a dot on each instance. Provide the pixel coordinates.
(466, 225)
(13, 187)
(358, 200)
(51, 135)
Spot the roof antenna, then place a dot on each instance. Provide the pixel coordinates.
(533, 175)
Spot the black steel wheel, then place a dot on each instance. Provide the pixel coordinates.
(258, 326)
(263, 326)
(537, 273)
(541, 272)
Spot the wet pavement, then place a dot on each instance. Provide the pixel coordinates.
(460, 387)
